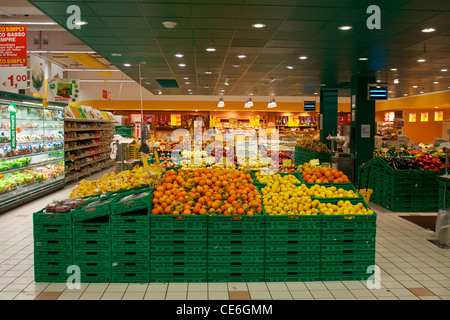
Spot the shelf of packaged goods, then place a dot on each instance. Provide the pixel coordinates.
(84, 147)
(77, 176)
(85, 164)
(83, 138)
(29, 187)
(87, 129)
(87, 120)
(89, 154)
(31, 154)
(33, 165)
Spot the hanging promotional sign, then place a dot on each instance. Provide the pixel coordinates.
(438, 116)
(106, 94)
(13, 46)
(38, 67)
(175, 120)
(293, 121)
(12, 124)
(424, 117)
(412, 117)
(65, 90)
(254, 121)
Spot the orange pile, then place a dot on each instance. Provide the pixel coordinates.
(206, 191)
(322, 175)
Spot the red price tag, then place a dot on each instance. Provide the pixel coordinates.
(13, 78)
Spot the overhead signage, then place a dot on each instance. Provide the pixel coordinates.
(377, 92)
(13, 46)
(309, 106)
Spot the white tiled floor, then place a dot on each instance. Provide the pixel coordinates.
(406, 258)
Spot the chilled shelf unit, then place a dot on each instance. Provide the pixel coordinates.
(88, 147)
(31, 148)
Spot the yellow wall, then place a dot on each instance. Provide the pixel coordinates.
(199, 105)
(423, 101)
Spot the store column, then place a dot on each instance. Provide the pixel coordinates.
(362, 124)
(328, 114)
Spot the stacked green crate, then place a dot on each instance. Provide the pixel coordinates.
(52, 246)
(444, 187)
(431, 191)
(91, 249)
(236, 248)
(130, 237)
(347, 244)
(292, 248)
(303, 155)
(178, 248)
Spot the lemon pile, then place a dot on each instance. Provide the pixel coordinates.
(343, 207)
(267, 178)
(287, 198)
(331, 192)
(112, 182)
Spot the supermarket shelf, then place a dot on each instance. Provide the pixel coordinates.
(85, 164)
(83, 138)
(88, 172)
(84, 147)
(89, 154)
(40, 164)
(87, 129)
(31, 154)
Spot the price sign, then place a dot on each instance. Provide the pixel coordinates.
(12, 78)
(315, 162)
(293, 121)
(287, 163)
(175, 120)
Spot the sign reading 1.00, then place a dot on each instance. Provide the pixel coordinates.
(13, 57)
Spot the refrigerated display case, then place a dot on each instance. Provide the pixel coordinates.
(31, 148)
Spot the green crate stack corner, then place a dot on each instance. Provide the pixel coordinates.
(92, 249)
(303, 155)
(347, 245)
(130, 238)
(431, 201)
(292, 248)
(236, 248)
(53, 249)
(178, 248)
(442, 189)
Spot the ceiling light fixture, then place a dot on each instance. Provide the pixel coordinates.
(159, 92)
(258, 25)
(179, 55)
(80, 23)
(290, 67)
(394, 69)
(415, 87)
(190, 92)
(421, 60)
(363, 59)
(186, 78)
(436, 82)
(396, 81)
(236, 65)
(182, 65)
(405, 94)
(345, 28)
(242, 56)
(303, 57)
(116, 54)
(221, 104)
(187, 82)
(208, 71)
(444, 70)
(169, 24)
(127, 65)
(211, 47)
(272, 103)
(428, 30)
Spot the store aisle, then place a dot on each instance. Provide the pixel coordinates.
(411, 267)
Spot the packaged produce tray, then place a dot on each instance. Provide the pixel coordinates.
(132, 201)
(93, 208)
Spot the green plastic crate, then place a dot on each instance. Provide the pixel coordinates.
(234, 259)
(119, 244)
(91, 254)
(285, 248)
(292, 268)
(344, 276)
(236, 222)
(119, 205)
(293, 236)
(55, 275)
(127, 276)
(236, 235)
(292, 257)
(285, 223)
(178, 236)
(42, 218)
(132, 254)
(91, 244)
(156, 258)
(96, 228)
(350, 234)
(178, 247)
(177, 277)
(52, 255)
(179, 223)
(45, 244)
(175, 268)
(348, 221)
(235, 276)
(354, 256)
(346, 266)
(287, 276)
(52, 232)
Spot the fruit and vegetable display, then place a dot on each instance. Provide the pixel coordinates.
(344, 207)
(271, 177)
(321, 191)
(322, 175)
(313, 145)
(63, 206)
(206, 191)
(110, 182)
(428, 162)
(306, 166)
(14, 163)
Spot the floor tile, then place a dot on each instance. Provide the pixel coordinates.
(440, 291)
(239, 295)
(260, 295)
(321, 294)
(177, 287)
(315, 286)
(335, 285)
(429, 298)
(197, 295)
(296, 286)
(8, 295)
(96, 287)
(117, 287)
(257, 286)
(237, 286)
(137, 287)
(157, 287)
(91, 295)
(176, 295)
(155, 295)
(217, 287)
(26, 295)
(362, 293)
(112, 296)
(421, 292)
(342, 293)
(56, 287)
(302, 294)
(133, 295)
(198, 287)
(48, 295)
(354, 285)
(280, 295)
(218, 295)
(15, 287)
(70, 295)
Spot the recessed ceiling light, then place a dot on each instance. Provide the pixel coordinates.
(363, 59)
(258, 25)
(127, 65)
(427, 30)
(315, 92)
(290, 67)
(159, 92)
(211, 48)
(435, 107)
(190, 92)
(169, 24)
(187, 82)
(396, 81)
(241, 56)
(222, 90)
(186, 78)
(421, 92)
(405, 94)
(189, 89)
(421, 60)
(179, 55)
(436, 82)
(147, 83)
(236, 65)
(344, 28)
(303, 57)
(389, 91)
(394, 69)
(415, 87)
(80, 23)
(116, 54)
(208, 72)
(444, 70)
(181, 65)
(227, 84)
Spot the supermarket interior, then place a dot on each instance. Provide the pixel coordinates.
(224, 150)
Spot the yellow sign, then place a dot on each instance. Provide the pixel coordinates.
(438, 115)
(45, 103)
(287, 163)
(293, 121)
(233, 121)
(254, 121)
(214, 121)
(412, 117)
(315, 162)
(424, 116)
(175, 120)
